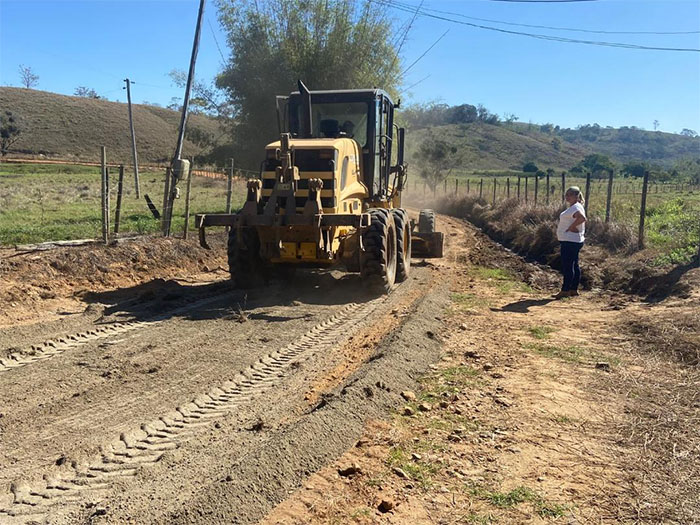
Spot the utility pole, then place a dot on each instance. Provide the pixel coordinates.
(133, 141)
(178, 165)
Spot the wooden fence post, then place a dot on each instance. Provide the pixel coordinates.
(229, 187)
(537, 185)
(456, 186)
(166, 194)
(588, 191)
(481, 188)
(518, 187)
(508, 187)
(495, 183)
(547, 192)
(643, 210)
(526, 177)
(609, 199)
(468, 187)
(118, 212)
(445, 189)
(104, 194)
(187, 200)
(563, 185)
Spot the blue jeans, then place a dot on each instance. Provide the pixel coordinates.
(569, 264)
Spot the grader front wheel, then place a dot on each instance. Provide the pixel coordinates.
(244, 262)
(378, 268)
(403, 244)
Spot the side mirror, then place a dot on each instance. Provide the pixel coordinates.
(400, 167)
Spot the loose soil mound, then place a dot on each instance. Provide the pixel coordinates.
(35, 284)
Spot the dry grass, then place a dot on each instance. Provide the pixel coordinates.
(74, 128)
(610, 259)
(660, 432)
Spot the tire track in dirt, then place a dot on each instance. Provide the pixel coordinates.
(136, 449)
(56, 346)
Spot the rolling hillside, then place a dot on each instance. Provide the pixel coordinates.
(74, 128)
(488, 147)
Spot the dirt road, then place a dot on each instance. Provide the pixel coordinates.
(184, 401)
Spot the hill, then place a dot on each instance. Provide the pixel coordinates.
(74, 128)
(486, 142)
(484, 146)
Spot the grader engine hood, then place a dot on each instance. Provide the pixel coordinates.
(333, 162)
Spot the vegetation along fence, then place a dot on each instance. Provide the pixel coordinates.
(663, 215)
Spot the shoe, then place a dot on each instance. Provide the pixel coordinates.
(562, 294)
(573, 293)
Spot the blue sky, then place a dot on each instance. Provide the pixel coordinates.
(97, 43)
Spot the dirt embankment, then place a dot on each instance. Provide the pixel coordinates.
(49, 284)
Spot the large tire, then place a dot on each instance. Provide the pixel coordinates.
(403, 244)
(426, 221)
(378, 268)
(244, 262)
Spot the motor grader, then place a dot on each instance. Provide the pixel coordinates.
(328, 194)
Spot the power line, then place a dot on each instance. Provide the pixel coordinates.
(215, 40)
(578, 30)
(543, 1)
(425, 53)
(390, 3)
(416, 83)
(405, 35)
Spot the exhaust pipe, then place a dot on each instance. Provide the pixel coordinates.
(306, 126)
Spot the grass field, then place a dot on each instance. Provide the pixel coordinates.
(51, 202)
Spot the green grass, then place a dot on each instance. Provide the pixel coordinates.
(50, 202)
(503, 280)
(421, 471)
(519, 495)
(571, 353)
(541, 332)
(468, 301)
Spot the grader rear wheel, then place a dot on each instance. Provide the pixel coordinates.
(403, 244)
(378, 268)
(426, 221)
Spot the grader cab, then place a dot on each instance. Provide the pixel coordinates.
(329, 194)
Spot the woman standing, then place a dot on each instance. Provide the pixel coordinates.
(570, 233)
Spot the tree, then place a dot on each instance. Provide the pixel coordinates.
(556, 143)
(597, 163)
(9, 132)
(82, 91)
(656, 125)
(509, 118)
(436, 160)
(689, 133)
(329, 44)
(206, 98)
(29, 79)
(635, 169)
(530, 167)
(462, 114)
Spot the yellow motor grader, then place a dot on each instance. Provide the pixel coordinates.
(328, 194)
